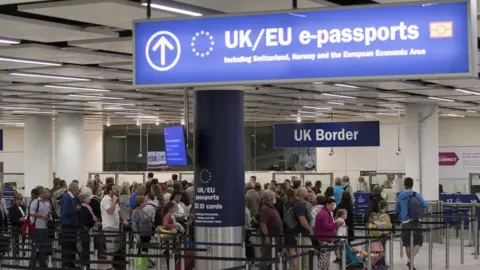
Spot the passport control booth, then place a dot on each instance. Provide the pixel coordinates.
(345, 67)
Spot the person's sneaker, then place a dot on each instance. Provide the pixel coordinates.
(408, 265)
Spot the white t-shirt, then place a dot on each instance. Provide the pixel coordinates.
(109, 221)
(342, 230)
(180, 213)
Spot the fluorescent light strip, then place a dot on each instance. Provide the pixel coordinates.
(389, 114)
(335, 103)
(441, 99)
(49, 76)
(470, 111)
(76, 88)
(111, 103)
(335, 95)
(468, 92)
(18, 108)
(318, 108)
(369, 116)
(25, 61)
(346, 85)
(452, 115)
(303, 115)
(175, 10)
(99, 97)
(9, 41)
(306, 112)
(33, 112)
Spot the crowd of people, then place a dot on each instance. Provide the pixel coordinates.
(288, 213)
(108, 208)
(306, 216)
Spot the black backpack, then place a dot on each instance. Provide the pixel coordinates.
(158, 217)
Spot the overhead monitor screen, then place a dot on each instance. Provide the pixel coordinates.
(175, 146)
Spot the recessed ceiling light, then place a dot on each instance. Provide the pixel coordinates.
(369, 116)
(37, 75)
(471, 111)
(468, 92)
(9, 41)
(335, 95)
(346, 85)
(318, 108)
(452, 115)
(113, 108)
(442, 99)
(143, 116)
(299, 119)
(26, 61)
(317, 82)
(32, 112)
(182, 122)
(99, 97)
(76, 88)
(175, 10)
(336, 103)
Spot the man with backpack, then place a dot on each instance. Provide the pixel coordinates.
(411, 208)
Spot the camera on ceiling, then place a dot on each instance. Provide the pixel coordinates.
(399, 150)
(332, 152)
(140, 155)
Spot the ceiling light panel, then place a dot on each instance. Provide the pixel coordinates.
(65, 55)
(121, 44)
(43, 31)
(85, 72)
(47, 76)
(115, 13)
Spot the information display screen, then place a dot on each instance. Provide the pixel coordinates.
(175, 146)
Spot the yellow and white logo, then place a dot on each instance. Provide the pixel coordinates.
(441, 29)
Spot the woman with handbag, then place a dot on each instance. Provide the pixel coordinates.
(86, 221)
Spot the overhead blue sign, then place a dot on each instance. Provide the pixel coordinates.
(175, 149)
(339, 134)
(407, 41)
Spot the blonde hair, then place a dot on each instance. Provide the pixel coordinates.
(125, 189)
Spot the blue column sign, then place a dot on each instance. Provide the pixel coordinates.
(391, 41)
(333, 134)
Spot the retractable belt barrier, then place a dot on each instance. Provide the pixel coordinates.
(17, 253)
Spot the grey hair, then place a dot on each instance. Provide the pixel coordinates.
(272, 187)
(377, 189)
(83, 197)
(346, 179)
(250, 185)
(268, 196)
(72, 186)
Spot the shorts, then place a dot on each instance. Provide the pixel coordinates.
(112, 240)
(417, 233)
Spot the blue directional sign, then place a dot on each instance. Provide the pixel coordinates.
(339, 134)
(407, 41)
(175, 148)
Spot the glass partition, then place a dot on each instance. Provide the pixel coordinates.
(376, 178)
(15, 181)
(280, 177)
(103, 175)
(129, 177)
(189, 176)
(325, 178)
(474, 183)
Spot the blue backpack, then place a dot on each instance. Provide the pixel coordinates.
(415, 208)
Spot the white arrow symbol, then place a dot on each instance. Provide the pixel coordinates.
(162, 43)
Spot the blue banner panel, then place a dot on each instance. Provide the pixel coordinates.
(175, 148)
(361, 202)
(1, 139)
(411, 41)
(334, 134)
(455, 213)
(219, 158)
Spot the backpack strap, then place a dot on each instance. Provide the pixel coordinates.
(154, 206)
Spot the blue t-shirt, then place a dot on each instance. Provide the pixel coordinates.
(337, 194)
(131, 202)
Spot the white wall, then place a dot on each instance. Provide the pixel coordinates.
(350, 161)
(12, 154)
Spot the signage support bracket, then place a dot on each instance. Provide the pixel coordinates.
(186, 113)
(149, 9)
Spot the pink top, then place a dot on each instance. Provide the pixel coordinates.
(324, 225)
(168, 222)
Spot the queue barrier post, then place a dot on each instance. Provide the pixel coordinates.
(462, 244)
(412, 251)
(93, 256)
(299, 259)
(401, 247)
(49, 263)
(470, 227)
(369, 250)
(182, 253)
(280, 262)
(133, 246)
(158, 250)
(390, 253)
(475, 231)
(447, 247)
(344, 255)
(430, 249)
(315, 260)
(171, 261)
(274, 249)
(440, 232)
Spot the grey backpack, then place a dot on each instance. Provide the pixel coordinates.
(415, 208)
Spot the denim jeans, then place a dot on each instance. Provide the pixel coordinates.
(40, 245)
